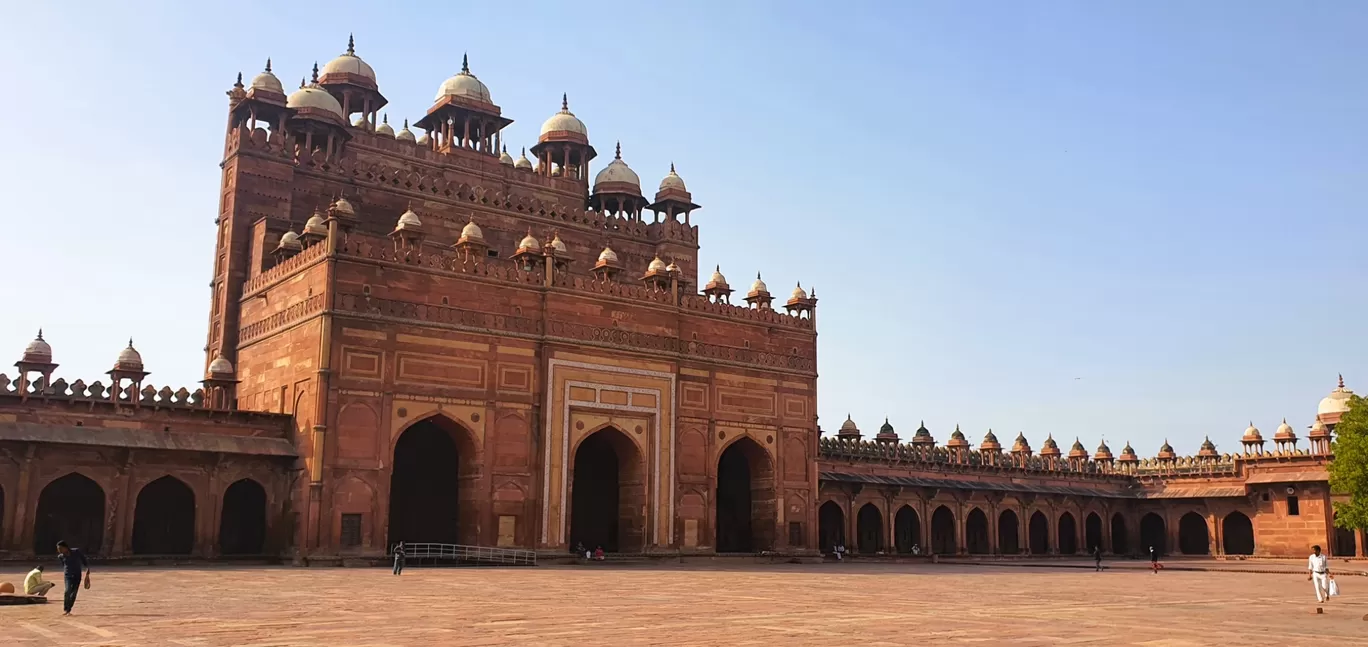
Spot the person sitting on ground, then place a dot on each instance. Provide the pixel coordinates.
(916, 549)
(34, 584)
(598, 554)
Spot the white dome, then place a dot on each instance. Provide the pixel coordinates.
(608, 255)
(505, 158)
(315, 225)
(424, 139)
(1336, 402)
(717, 276)
(564, 121)
(464, 84)
(409, 220)
(759, 285)
(129, 356)
(528, 242)
(1252, 431)
(360, 122)
(472, 231)
(220, 366)
(38, 350)
(558, 245)
(267, 81)
(672, 268)
(342, 206)
(618, 171)
(312, 96)
(798, 292)
(522, 162)
(405, 135)
(672, 181)
(1283, 428)
(290, 240)
(656, 265)
(349, 63)
(384, 128)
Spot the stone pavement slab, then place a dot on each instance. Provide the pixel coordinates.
(819, 604)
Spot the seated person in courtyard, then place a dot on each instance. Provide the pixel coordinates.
(34, 584)
(598, 553)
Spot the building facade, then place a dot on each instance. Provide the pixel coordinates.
(419, 337)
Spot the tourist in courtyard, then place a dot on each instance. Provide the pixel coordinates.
(916, 549)
(75, 569)
(1154, 560)
(598, 554)
(1097, 557)
(399, 556)
(1319, 574)
(34, 584)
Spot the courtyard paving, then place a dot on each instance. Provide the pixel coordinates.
(611, 605)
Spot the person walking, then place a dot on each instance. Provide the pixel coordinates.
(1097, 557)
(34, 584)
(1319, 574)
(1154, 560)
(75, 568)
(399, 556)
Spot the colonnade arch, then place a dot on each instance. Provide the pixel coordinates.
(1120, 540)
(1039, 534)
(1009, 533)
(906, 529)
(943, 533)
(976, 539)
(1068, 534)
(830, 526)
(869, 527)
(1153, 534)
(1092, 533)
(164, 518)
(1237, 534)
(71, 509)
(242, 522)
(1193, 538)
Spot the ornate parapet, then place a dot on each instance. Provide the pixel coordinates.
(285, 268)
(79, 391)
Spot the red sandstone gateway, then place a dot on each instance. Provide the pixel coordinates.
(420, 338)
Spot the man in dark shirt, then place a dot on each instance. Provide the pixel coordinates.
(74, 569)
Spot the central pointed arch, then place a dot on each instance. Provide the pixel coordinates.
(608, 493)
(745, 498)
(906, 529)
(432, 478)
(164, 518)
(1237, 533)
(1068, 534)
(1193, 538)
(1153, 534)
(943, 532)
(976, 540)
(1092, 533)
(1039, 534)
(831, 526)
(1009, 533)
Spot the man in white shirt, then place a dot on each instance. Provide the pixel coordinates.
(1319, 574)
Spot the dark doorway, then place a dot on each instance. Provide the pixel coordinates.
(1345, 545)
(1153, 534)
(1120, 540)
(1068, 534)
(1009, 533)
(70, 508)
(830, 526)
(607, 493)
(943, 532)
(906, 529)
(1039, 534)
(164, 518)
(242, 526)
(745, 499)
(2, 515)
(976, 533)
(1092, 533)
(869, 526)
(1193, 538)
(1237, 534)
(426, 502)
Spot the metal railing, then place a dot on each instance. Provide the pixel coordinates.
(473, 555)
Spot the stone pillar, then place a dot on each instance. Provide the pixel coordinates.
(123, 503)
(993, 548)
(1215, 534)
(1361, 536)
(20, 520)
(1052, 531)
(1107, 545)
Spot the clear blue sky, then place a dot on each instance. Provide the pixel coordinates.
(1164, 199)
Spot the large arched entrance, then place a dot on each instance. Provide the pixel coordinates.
(943, 531)
(1009, 533)
(164, 518)
(72, 509)
(745, 499)
(433, 459)
(1068, 534)
(1120, 540)
(1344, 543)
(1092, 533)
(1193, 538)
(906, 529)
(830, 526)
(1153, 534)
(869, 526)
(242, 526)
(608, 493)
(976, 539)
(1237, 534)
(1039, 534)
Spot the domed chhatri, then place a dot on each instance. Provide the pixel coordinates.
(564, 126)
(886, 433)
(923, 435)
(1251, 433)
(472, 231)
(558, 246)
(1334, 405)
(349, 68)
(266, 82)
(289, 242)
(849, 430)
(957, 439)
(384, 129)
(1128, 454)
(656, 265)
(990, 442)
(1166, 451)
(608, 256)
(673, 198)
(464, 85)
(672, 181)
(38, 351)
(312, 100)
(529, 243)
(1049, 447)
(1077, 450)
(617, 177)
(129, 359)
(562, 148)
(1021, 445)
(1208, 449)
(1103, 453)
(1284, 433)
(221, 368)
(409, 220)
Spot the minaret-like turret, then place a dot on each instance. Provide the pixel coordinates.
(463, 116)
(562, 148)
(352, 82)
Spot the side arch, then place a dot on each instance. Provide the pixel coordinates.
(70, 508)
(869, 525)
(943, 540)
(1237, 534)
(164, 518)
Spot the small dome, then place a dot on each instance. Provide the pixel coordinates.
(717, 277)
(315, 225)
(1020, 444)
(1166, 448)
(608, 255)
(849, 424)
(558, 244)
(409, 220)
(424, 139)
(522, 162)
(1103, 448)
(1252, 432)
(471, 231)
(505, 158)
(361, 123)
(990, 438)
(220, 366)
(957, 434)
(290, 240)
(384, 128)
(922, 431)
(267, 82)
(344, 207)
(1318, 429)
(405, 135)
(758, 285)
(672, 181)
(1208, 445)
(349, 63)
(464, 84)
(528, 242)
(1284, 432)
(314, 97)
(618, 171)
(129, 358)
(1077, 446)
(564, 121)
(1336, 402)
(672, 268)
(1050, 443)
(798, 293)
(656, 265)
(886, 429)
(38, 351)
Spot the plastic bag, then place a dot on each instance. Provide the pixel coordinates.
(1334, 587)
